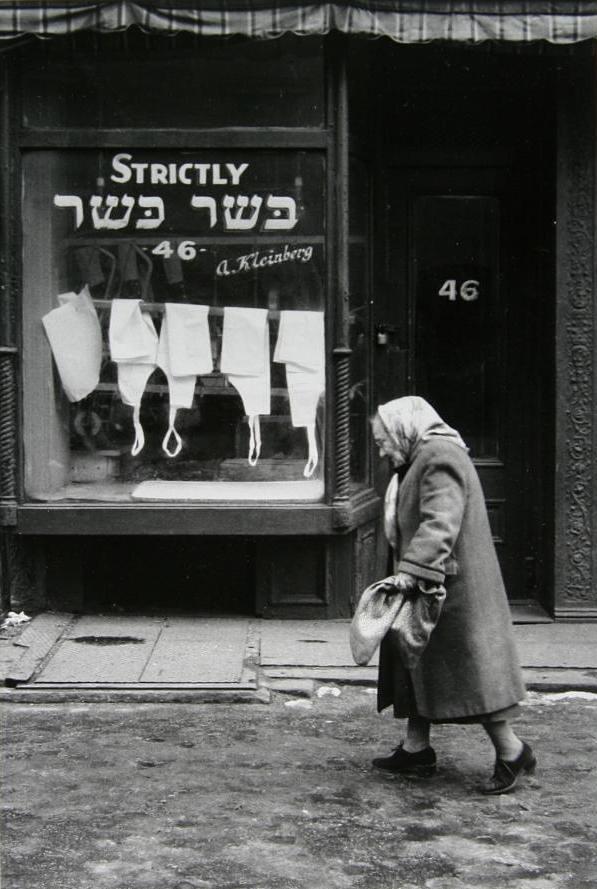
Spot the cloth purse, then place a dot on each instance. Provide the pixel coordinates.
(408, 619)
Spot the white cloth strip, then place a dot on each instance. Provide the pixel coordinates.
(74, 333)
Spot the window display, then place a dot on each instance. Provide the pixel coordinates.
(174, 324)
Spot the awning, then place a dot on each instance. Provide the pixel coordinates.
(404, 21)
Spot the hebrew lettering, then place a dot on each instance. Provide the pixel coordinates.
(239, 222)
(151, 204)
(71, 200)
(198, 202)
(105, 218)
(281, 205)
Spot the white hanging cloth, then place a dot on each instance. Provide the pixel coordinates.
(133, 347)
(189, 345)
(301, 347)
(245, 361)
(182, 351)
(75, 338)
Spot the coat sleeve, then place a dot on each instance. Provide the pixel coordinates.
(442, 498)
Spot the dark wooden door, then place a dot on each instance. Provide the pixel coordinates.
(464, 333)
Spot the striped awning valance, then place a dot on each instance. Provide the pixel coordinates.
(404, 21)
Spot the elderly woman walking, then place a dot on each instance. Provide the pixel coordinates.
(436, 521)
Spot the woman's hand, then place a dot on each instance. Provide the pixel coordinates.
(405, 582)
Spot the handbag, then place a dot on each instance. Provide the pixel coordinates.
(407, 618)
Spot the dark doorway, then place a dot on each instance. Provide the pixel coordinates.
(465, 241)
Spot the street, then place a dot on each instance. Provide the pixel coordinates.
(282, 796)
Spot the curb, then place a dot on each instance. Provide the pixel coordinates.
(268, 691)
(555, 680)
(131, 696)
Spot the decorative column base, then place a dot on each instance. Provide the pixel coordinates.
(576, 615)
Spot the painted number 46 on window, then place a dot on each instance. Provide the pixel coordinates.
(468, 290)
(184, 250)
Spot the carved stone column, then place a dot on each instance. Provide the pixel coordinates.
(339, 281)
(576, 406)
(9, 433)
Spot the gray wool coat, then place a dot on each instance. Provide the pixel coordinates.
(470, 667)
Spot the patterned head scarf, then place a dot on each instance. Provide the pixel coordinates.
(408, 421)
(411, 420)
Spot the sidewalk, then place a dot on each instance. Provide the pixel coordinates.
(59, 657)
(555, 657)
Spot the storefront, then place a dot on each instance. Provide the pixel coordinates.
(220, 250)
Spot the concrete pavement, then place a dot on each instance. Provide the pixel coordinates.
(555, 657)
(240, 658)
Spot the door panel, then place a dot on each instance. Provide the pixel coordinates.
(455, 265)
(456, 256)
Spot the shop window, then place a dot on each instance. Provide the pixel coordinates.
(135, 80)
(174, 324)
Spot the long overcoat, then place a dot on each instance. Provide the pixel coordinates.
(470, 667)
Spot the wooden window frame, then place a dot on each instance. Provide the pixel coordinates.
(340, 511)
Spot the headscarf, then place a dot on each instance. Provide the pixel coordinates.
(408, 421)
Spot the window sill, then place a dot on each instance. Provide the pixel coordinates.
(221, 518)
(117, 492)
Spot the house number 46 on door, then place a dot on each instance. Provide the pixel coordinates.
(468, 290)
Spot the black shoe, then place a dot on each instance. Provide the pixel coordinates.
(506, 774)
(421, 764)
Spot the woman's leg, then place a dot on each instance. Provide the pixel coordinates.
(508, 745)
(512, 757)
(417, 734)
(414, 756)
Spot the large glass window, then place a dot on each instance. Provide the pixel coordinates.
(174, 324)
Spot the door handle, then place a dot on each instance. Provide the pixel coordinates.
(385, 335)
